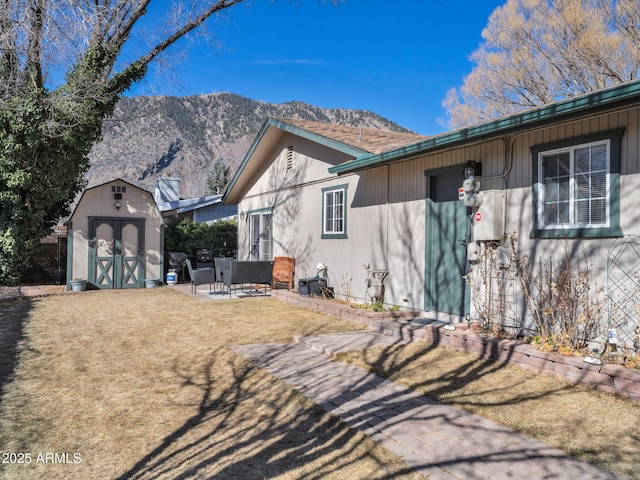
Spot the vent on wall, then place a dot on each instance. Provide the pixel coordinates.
(289, 157)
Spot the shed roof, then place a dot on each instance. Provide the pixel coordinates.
(189, 204)
(101, 185)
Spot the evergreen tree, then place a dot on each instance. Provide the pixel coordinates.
(218, 177)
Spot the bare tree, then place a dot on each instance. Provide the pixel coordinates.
(539, 51)
(63, 65)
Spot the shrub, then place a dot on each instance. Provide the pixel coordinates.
(188, 236)
(566, 307)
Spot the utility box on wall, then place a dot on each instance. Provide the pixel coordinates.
(488, 220)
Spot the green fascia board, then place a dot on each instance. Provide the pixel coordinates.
(245, 160)
(300, 132)
(568, 107)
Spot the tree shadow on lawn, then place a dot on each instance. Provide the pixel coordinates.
(255, 428)
(430, 435)
(390, 362)
(450, 387)
(13, 317)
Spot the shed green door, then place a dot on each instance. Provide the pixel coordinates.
(447, 233)
(116, 253)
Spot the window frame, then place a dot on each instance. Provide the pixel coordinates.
(612, 229)
(260, 254)
(332, 191)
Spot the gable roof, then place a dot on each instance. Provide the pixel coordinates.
(115, 180)
(368, 139)
(353, 141)
(371, 148)
(592, 103)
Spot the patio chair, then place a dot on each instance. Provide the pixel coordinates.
(283, 271)
(221, 264)
(201, 276)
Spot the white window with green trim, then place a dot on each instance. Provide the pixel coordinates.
(576, 187)
(334, 212)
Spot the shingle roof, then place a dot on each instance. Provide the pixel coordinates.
(367, 139)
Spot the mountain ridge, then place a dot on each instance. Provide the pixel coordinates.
(148, 137)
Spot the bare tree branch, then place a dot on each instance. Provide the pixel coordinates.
(62, 69)
(539, 51)
(188, 27)
(34, 67)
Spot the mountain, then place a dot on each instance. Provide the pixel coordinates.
(183, 136)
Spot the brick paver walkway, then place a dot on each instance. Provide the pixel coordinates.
(437, 440)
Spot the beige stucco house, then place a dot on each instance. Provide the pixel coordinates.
(557, 180)
(115, 237)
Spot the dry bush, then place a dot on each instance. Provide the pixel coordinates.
(567, 307)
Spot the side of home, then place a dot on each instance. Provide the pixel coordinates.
(562, 178)
(289, 205)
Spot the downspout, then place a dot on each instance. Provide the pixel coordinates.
(69, 254)
(388, 215)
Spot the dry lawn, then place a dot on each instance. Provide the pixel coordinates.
(141, 384)
(587, 423)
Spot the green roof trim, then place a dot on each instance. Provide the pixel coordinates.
(300, 132)
(567, 107)
(245, 160)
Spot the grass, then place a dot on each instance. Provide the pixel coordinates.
(142, 384)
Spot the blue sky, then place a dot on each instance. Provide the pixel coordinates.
(395, 58)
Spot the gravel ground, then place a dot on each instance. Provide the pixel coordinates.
(9, 293)
(12, 293)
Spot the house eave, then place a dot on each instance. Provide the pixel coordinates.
(564, 109)
(232, 194)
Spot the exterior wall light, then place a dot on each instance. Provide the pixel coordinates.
(472, 169)
(471, 185)
(118, 200)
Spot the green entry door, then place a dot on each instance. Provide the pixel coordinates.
(447, 232)
(116, 253)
